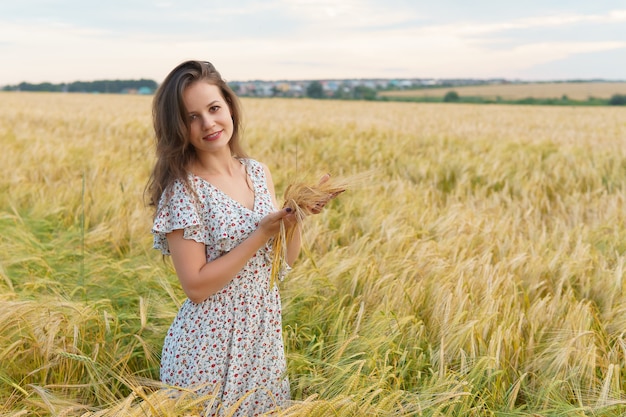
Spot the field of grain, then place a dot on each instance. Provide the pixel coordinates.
(574, 91)
(478, 272)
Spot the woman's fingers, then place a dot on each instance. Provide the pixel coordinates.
(324, 178)
(317, 208)
(335, 194)
(271, 223)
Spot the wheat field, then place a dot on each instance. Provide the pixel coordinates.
(479, 271)
(574, 91)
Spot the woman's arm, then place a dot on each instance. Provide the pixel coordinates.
(294, 245)
(201, 279)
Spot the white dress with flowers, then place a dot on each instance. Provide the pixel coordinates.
(230, 344)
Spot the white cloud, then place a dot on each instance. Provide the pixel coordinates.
(472, 28)
(618, 15)
(346, 14)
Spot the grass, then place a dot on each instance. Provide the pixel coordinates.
(480, 272)
(578, 91)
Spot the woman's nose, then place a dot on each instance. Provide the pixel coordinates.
(208, 122)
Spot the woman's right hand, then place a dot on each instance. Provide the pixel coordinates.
(270, 224)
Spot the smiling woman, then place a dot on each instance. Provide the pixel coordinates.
(216, 215)
(226, 339)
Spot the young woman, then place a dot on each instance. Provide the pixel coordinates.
(216, 212)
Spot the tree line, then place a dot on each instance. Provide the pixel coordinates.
(615, 100)
(99, 86)
(313, 90)
(360, 92)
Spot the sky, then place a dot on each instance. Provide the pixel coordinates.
(80, 40)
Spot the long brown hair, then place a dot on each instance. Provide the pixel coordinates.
(174, 151)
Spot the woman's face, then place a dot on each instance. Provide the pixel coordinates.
(210, 120)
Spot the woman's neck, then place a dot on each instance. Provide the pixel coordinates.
(214, 165)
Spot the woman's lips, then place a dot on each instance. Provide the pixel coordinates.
(213, 136)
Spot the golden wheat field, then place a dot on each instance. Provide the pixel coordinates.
(479, 271)
(574, 91)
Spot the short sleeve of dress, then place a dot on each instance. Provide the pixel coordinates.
(177, 210)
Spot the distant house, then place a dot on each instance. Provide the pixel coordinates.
(264, 89)
(296, 90)
(141, 90)
(282, 87)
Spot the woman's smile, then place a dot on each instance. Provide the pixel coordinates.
(212, 136)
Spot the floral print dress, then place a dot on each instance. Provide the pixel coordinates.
(230, 344)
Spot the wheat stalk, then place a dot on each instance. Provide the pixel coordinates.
(304, 199)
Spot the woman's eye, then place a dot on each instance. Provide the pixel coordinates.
(213, 109)
(193, 117)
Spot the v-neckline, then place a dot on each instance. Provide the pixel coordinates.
(223, 193)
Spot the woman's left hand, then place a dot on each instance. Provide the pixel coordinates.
(318, 206)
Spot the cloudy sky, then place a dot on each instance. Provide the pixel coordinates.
(71, 40)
